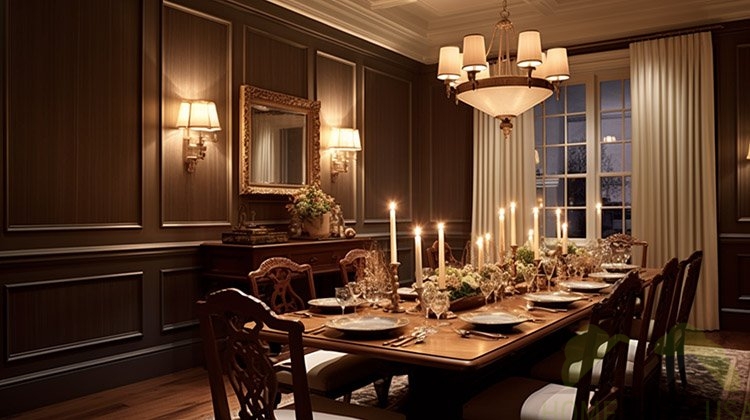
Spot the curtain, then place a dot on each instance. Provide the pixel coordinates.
(503, 172)
(674, 176)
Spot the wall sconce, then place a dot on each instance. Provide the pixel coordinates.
(199, 116)
(343, 141)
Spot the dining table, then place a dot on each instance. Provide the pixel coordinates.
(445, 366)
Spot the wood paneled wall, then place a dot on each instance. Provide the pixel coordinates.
(99, 263)
(732, 63)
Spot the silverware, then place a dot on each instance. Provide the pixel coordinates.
(467, 333)
(420, 339)
(543, 308)
(393, 340)
(416, 335)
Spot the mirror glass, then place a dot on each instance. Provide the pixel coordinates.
(280, 142)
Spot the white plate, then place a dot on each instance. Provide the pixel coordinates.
(583, 285)
(492, 318)
(365, 324)
(619, 267)
(552, 297)
(331, 302)
(608, 277)
(407, 292)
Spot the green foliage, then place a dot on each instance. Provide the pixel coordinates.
(310, 202)
(525, 254)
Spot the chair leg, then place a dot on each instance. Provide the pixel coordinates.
(382, 388)
(681, 364)
(669, 366)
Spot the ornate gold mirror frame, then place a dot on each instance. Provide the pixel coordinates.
(250, 97)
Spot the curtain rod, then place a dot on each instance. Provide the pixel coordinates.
(621, 43)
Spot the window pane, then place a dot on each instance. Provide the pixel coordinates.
(554, 193)
(576, 223)
(611, 190)
(554, 161)
(628, 223)
(577, 98)
(577, 191)
(611, 126)
(611, 94)
(626, 91)
(550, 223)
(555, 130)
(576, 159)
(627, 191)
(538, 131)
(577, 129)
(554, 106)
(611, 157)
(628, 163)
(611, 222)
(626, 122)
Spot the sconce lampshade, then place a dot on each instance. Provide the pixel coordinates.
(345, 139)
(198, 116)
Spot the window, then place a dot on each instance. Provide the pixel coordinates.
(582, 138)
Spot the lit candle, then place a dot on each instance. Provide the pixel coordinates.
(487, 247)
(394, 251)
(598, 222)
(480, 252)
(418, 256)
(558, 212)
(565, 239)
(441, 256)
(501, 235)
(531, 238)
(535, 244)
(513, 240)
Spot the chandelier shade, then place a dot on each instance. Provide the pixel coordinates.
(498, 90)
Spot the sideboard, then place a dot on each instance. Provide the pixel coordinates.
(227, 265)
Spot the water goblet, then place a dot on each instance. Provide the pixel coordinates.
(548, 266)
(502, 280)
(428, 293)
(440, 304)
(343, 296)
(487, 285)
(356, 290)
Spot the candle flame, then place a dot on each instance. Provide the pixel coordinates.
(501, 212)
(487, 236)
(441, 226)
(417, 231)
(513, 205)
(392, 205)
(558, 211)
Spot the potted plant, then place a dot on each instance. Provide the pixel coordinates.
(311, 209)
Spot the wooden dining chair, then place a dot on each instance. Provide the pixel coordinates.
(527, 398)
(230, 325)
(432, 256)
(622, 242)
(331, 373)
(352, 266)
(686, 288)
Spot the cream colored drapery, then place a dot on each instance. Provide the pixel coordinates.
(503, 172)
(674, 193)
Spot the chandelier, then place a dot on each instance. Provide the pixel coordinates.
(502, 91)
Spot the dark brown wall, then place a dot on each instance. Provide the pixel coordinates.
(99, 262)
(732, 58)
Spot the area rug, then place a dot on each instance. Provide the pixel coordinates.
(718, 387)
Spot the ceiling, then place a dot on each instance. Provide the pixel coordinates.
(418, 28)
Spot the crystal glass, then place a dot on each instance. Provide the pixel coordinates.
(343, 296)
(548, 266)
(487, 285)
(440, 304)
(428, 293)
(502, 280)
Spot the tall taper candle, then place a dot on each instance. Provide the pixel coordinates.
(558, 212)
(501, 235)
(441, 256)
(487, 247)
(513, 239)
(598, 222)
(535, 244)
(394, 250)
(480, 252)
(531, 239)
(565, 239)
(418, 256)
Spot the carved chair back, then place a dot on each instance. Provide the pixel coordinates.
(279, 273)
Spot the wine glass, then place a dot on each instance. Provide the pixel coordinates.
(502, 280)
(343, 296)
(428, 293)
(440, 304)
(487, 285)
(548, 266)
(356, 290)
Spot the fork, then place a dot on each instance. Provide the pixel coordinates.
(467, 333)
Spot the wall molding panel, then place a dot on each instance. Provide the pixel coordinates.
(180, 289)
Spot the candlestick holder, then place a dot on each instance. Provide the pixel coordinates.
(395, 306)
(419, 290)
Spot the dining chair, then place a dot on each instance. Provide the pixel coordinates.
(622, 242)
(230, 325)
(352, 266)
(645, 345)
(330, 373)
(686, 288)
(432, 256)
(529, 398)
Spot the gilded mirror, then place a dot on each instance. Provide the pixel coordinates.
(279, 142)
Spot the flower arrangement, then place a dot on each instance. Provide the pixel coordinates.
(460, 282)
(310, 202)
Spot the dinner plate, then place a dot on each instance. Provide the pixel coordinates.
(608, 277)
(407, 292)
(621, 267)
(367, 324)
(554, 298)
(583, 285)
(492, 319)
(331, 302)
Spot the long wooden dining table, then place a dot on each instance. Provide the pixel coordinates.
(444, 367)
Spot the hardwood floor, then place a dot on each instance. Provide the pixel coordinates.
(186, 395)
